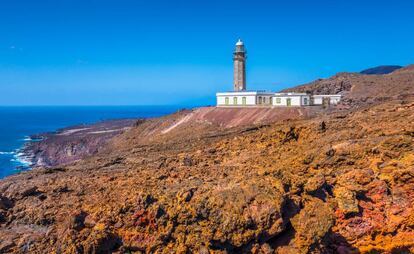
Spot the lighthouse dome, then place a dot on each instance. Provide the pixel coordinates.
(239, 43)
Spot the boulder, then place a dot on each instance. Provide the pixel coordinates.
(346, 199)
(312, 223)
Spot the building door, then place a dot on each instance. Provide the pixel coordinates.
(244, 100)
(289, 102)
(226, 100)
(235, 100)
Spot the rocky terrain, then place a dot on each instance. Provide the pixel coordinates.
(360, 90)
(338, 180)
(72, 143)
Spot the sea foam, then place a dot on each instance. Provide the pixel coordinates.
(6, 153)
(23, 159)
(27, 139)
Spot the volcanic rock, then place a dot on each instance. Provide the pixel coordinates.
(218, 180)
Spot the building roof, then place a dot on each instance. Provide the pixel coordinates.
(242, 93)
(291, 94)
(327, 95)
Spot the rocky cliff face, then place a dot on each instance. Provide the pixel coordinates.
(73, 143)
(336, 181)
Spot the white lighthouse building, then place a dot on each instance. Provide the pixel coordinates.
(241, 97)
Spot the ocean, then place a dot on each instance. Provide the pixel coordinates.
(17, 124)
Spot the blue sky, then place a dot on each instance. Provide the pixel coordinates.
(84, 52)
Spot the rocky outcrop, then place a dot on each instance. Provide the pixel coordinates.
(73, 143)
(341, 83)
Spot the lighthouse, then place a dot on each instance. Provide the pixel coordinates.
(240, 97)
(239, 59)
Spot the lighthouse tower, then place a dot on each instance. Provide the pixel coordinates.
(239, 59)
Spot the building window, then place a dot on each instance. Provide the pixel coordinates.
(305, 101)
(244, 100)
(235, 100)
(278, 100)
(226, 100)
(260, 100)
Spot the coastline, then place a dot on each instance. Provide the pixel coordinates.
(68, 144)
(22, 126)
(23, 157)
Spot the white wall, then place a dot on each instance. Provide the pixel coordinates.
(333, 100)
(295, 101)
(250, 100)
(220, 100)
(317, 100)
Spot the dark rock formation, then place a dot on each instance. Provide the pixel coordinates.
(73, 143)
(381, 70)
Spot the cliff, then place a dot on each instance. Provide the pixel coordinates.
(338, 180)
(73, 143)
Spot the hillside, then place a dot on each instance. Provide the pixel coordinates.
(359, 89)
(209, 180)
(74, 143)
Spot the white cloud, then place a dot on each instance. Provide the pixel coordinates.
(13, 47)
